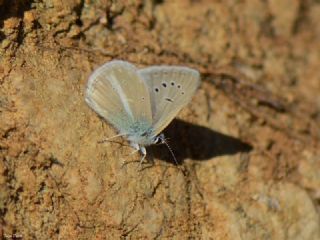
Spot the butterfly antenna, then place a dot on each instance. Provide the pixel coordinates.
(165, 142)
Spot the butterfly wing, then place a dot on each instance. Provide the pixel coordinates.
(171, 88)
(118, 93)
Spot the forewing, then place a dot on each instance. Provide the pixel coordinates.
(118, 93)
(171, 88)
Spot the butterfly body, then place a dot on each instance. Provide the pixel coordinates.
(140, 132)
(140, 103)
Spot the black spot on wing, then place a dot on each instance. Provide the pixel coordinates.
(169, 99)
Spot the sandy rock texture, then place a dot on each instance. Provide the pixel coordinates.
(248, 144)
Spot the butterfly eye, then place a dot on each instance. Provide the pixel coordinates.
(157, 140)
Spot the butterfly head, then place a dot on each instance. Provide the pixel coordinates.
(145, 139)
(160, 139)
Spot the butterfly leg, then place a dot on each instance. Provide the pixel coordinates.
(144, 153)
(109, 138)
(136, 149)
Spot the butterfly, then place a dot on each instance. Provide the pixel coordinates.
(140, 103)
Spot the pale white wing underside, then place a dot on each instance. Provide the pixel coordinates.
(171, 88)
(118, 93)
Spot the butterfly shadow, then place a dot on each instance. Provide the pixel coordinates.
(196, 142)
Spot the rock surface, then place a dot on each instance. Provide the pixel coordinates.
(248, 143)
